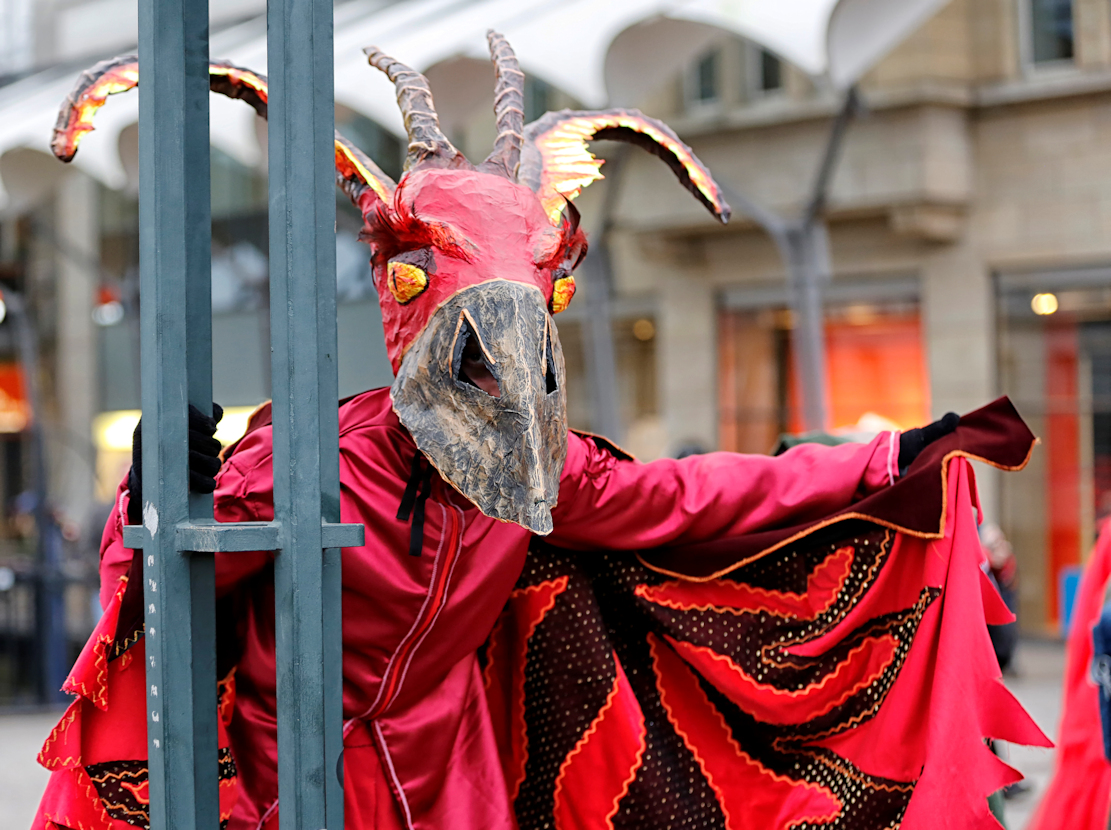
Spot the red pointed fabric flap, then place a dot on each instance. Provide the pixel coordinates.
(750, 795)
(861, 666)
(89, 677)
(597, 773)
(504, 677)
(120, 733)
(961, 701)
(71, 801)
(62, 749)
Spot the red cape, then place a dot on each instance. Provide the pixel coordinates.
(836, 675)
(837, 670)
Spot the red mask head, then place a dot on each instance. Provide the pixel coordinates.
(445, 230)
(470, 263)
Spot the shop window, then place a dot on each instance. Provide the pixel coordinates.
(1049, 31)
(1054, 357)
(15, 409)
(753, 398)
(875, 365)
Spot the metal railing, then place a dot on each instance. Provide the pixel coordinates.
(179, 537)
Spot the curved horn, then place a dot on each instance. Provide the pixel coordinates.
(355, 173)
(75, 118)
(509, 107)
(557, 165)
(426, 142)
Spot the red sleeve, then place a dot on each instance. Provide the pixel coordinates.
(625, 504)
(244, 493)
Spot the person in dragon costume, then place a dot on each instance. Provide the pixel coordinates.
(541, 631)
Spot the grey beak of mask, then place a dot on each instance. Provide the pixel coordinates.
(481, 390)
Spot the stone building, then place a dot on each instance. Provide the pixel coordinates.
(979, 178)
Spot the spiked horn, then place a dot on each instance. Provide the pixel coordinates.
(509, 107)
(427, 144)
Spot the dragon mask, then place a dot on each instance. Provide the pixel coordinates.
(471, 262)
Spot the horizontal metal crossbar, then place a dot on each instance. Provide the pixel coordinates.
(230, 537)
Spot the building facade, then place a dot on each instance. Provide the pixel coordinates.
(969, 223)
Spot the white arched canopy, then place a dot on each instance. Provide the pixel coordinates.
(600, 53)
(834, 41)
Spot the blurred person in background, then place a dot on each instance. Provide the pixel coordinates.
(1079, 796)
(1001, 566)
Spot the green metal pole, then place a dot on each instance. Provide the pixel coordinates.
(301, 156)
(175, 273)
(179, 535)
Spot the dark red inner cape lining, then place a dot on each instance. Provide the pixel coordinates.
(915, 504)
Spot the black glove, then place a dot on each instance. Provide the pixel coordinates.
(204, 459)
(913, 441)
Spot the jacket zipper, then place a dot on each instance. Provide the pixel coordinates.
(439, 590)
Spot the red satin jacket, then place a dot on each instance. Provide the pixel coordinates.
(419, 746)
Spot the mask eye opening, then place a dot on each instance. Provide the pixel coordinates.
(471, 363)
(550, 382)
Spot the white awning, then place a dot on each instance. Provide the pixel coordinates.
(601, 52)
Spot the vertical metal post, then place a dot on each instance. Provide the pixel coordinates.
(804, 245)
(306, 453)
(179, 537)
(805, 250)
(175, 262)
(602, 368)
(598, 269)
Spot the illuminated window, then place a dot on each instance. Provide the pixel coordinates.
(875, 367)
(1053, 360)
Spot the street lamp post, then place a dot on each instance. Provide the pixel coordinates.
(804, 245)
